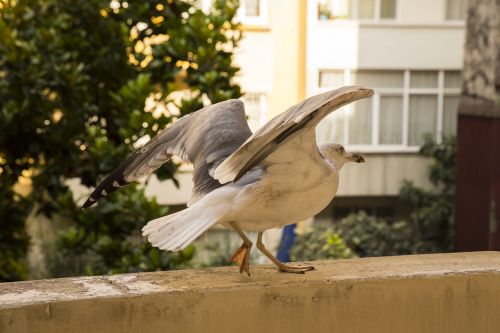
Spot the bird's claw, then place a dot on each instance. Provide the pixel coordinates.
(295, 269)
(242, 258)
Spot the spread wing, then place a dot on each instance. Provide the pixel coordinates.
(300, 117)
(205, 138)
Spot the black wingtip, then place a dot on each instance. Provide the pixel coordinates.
(90, 201)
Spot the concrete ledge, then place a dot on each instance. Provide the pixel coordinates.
(457, 292)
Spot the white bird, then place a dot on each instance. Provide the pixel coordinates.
(277, 176)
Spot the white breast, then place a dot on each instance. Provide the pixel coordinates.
(290, 192)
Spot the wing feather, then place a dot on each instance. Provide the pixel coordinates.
(204, 138)
(267, 139)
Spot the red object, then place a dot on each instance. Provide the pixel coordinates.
(477, 213)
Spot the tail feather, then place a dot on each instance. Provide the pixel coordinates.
(158, 223)
(176, 231)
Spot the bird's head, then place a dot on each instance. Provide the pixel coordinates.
(338, 156)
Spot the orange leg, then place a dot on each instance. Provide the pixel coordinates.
(242, 255)
(281, 266)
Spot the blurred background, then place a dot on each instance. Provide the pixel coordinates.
(85, 82)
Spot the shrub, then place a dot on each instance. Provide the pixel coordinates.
(320, 242)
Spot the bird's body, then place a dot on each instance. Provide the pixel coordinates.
(291, 190)
(275, 177)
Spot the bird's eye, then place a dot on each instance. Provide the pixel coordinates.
(342, 150)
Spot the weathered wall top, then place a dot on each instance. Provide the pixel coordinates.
(421, 293)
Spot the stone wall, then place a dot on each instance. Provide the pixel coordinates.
(423, 293)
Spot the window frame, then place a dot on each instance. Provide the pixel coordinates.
(354, 5)
(260, 20)
(262, 113)
(450, 20)
(405, 92)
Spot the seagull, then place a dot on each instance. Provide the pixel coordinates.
(243, 181)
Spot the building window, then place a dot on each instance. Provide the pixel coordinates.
(406, 106)
(253, 12)
(391, 131)
(422, 119)
(255, 109)
(331, 79)
(252, 8)
(334, 9)
(364, 10)
(388, 9)
(456, 9)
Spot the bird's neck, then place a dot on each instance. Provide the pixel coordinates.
(336, 164)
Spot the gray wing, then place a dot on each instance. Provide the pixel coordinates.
(305, 115)
(205, 138)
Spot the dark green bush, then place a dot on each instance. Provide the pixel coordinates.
(429, 228)
(433, 211)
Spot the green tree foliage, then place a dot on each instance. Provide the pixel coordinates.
(74, 79)
(13, 237)
(433, 211)
(429, 228)
(320, 242)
